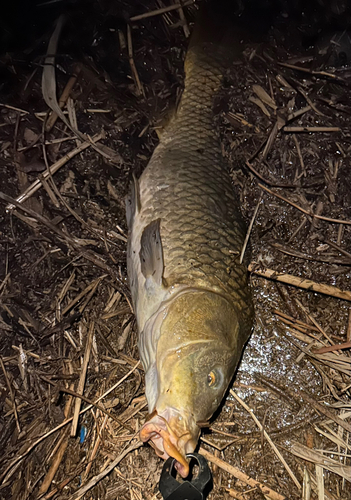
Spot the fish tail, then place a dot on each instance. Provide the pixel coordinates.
(227, 26)
(220, 35)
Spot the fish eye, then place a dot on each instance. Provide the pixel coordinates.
(211, 378)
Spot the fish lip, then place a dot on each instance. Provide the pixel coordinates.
(169, 439)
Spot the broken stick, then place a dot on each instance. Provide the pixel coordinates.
(268, 492)
(82, 378)
(309, 285)
(33, 188)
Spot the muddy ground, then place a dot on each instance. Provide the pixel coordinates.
(66, 322)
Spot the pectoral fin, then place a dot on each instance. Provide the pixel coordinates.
(151, 253)
(133, 202)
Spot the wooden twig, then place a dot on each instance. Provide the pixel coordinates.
(14, 465)
(310, 71)
(54, 465)
(322, 409)
(307, 212)
(311, 129)
(294, 321)
(260, 104)
(27, 353)
(49, 93)
(266, 435)
(334, 347)
(265, 490)
(302, 164)
(338, 362)
(62, 484)
(163, 10)
(59, 140)
(337, 247)
(79, 493)
(33, 188)
(95, 449)
(82, 294)
(63, 99)
(301, 255)
(82, 378)
(72, 116)
(13, 400)
(298, 112)
(59, 195)
(301, 333)
(230, 116)
(250, 229)
(271, 138)
(266, 98)
(316, 457)
(99, 407)
(4, 282)
(267, 181)
(311, 318)
(7, 106)
(306, 284)
(138, 85)
(236, 494)
(69, 240)
(49, 191)
(184, 22)
(298, 229)
(309, 100)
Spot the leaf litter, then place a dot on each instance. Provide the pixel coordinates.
(69, 360)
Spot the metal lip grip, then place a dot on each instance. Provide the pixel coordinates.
(195, 489)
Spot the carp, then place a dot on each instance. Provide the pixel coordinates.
(190, 292)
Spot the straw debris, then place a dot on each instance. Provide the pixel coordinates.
(81, 105)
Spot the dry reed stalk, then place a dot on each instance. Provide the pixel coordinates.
(82, 378)
(311, 286)
(265, 490)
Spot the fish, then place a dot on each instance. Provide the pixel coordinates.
(190, 292)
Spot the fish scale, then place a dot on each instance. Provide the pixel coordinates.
(198, 206)
(185, 204)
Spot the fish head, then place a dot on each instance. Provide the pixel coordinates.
(198, 350)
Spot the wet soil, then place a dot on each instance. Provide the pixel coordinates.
(64, 294)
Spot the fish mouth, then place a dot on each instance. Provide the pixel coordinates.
(171, 436)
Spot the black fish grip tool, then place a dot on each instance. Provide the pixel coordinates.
(196, 489)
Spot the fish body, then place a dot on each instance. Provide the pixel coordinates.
(190, 292)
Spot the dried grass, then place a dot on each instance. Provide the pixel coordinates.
(68, 353)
